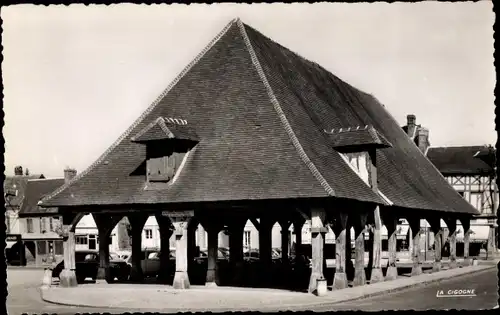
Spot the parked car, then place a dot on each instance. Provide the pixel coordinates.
(87, 264)
(150, 261)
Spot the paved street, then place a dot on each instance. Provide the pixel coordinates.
(24, 296)
(424, 298)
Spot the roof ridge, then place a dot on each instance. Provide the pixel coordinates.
(144, 114)
(288, 128)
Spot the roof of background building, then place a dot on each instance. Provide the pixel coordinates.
(35, 191)
(14, 188)
(260, 112)
(461, 160)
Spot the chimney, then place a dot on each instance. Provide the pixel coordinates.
(69, 173)
(411, 123)
(18, 170)
(423, 139)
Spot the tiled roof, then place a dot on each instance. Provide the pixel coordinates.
(260, 112)
(14, 189)
(35, 191)
(465, 160)
(357, 139)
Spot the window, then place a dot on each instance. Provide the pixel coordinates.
(81, 240)
(148, 233)
(51, 225)
(43, 225)
(247, 239)
(29, 225)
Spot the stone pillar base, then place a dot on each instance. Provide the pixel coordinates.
(67, 279)
(181, 280)
(392, 273)
(136, 276)
(416, 270)
(339, 281)
(359, 277)
(212, 278)
(436, 266)
(313, 282)
(377, 275)
(467, 262)
(321, 289)
(211, 284)
(104, 274)
(453, 264)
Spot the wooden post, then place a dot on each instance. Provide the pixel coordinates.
(359, 223)
(340, 230)
(166, 231)
(137, 221)
(376, 274)
(375, 268)
(318, 231)
(435, 223)
(467, 231)
(491, 246)
(391, 223)
(236, 226)
(452, 238)
(213, 243)
(285, 225)
(265, 249)
(68, 275)
(297, 229)
(181, 220)
(105, 224)
(414, 223)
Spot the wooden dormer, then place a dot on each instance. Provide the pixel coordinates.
(358, 147)
(168, 141)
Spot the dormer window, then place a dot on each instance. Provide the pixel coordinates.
(167, 141)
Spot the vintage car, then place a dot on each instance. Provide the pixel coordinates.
(87, 264)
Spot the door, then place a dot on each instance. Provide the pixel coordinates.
(92, 242)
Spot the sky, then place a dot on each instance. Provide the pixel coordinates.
(75, 77)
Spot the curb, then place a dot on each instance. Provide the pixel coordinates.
(282, 307)
(393, 290)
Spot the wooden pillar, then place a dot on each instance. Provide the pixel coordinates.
(166, 231)
(467, 231)
(318, 231)
(181, 221)
(376, 274)
(452, 238)
(359, 223)
(105, 224)
(265, 249)
(341, 231)
(68, 275)
(414, 223)
(435, 223)
(297, 230)
(285, 225)
(265, 239)
(236, 226)
(137, 221)
(391, 223)
(491, 246)
(213, 253)
(191, 243)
